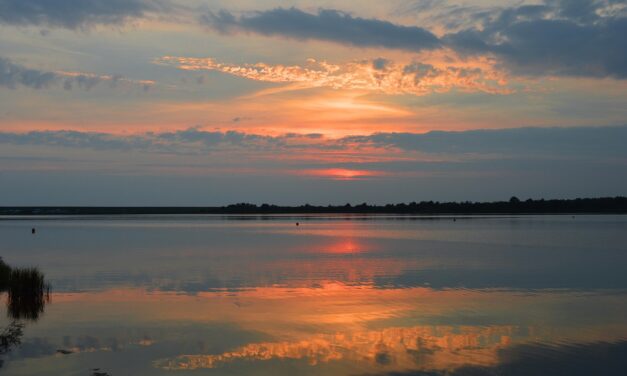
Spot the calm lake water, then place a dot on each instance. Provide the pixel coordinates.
(179, 295)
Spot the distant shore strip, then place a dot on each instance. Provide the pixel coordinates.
(603, 205)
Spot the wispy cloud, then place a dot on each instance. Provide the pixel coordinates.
(13, 75)
(379, 75)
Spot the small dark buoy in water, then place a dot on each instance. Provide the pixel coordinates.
(297, 224)
(454, 219)
(32, 231)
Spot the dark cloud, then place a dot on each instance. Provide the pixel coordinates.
(380, 63)
(327, 24)
(563, 38)
(215, 138)
(71, 139)
(13, 75)
(191, 140)
(74, 14)
(577, 141)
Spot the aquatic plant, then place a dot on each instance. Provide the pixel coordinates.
(28, 294)
(11, 336)
(5, 275)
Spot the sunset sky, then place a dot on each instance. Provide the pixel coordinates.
(211, 102)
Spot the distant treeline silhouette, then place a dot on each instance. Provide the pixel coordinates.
(604, 205)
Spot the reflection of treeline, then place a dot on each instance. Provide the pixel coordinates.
(513, 206)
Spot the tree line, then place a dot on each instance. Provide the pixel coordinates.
(603, 205)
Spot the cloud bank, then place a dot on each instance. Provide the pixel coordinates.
(196, 167)
(576, 38)
(560, 38)
(573, 141)
(577, 142)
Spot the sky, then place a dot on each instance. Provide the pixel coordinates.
(212, 102)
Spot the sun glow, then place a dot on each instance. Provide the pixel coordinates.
(343, 173)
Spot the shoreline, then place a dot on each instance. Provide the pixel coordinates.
(602, 205)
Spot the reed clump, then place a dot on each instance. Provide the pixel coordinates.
(28, 293)
(5, 275)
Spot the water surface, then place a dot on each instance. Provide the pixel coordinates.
(336, 295)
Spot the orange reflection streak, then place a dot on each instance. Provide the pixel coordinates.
(341, 173)
(343, 247)
(330, 303)
(349, 241)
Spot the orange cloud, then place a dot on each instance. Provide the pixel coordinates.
(380, 75)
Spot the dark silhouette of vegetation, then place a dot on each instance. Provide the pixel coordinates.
(5, 275)
(604, 205)
(28, 293)
(11, 336)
